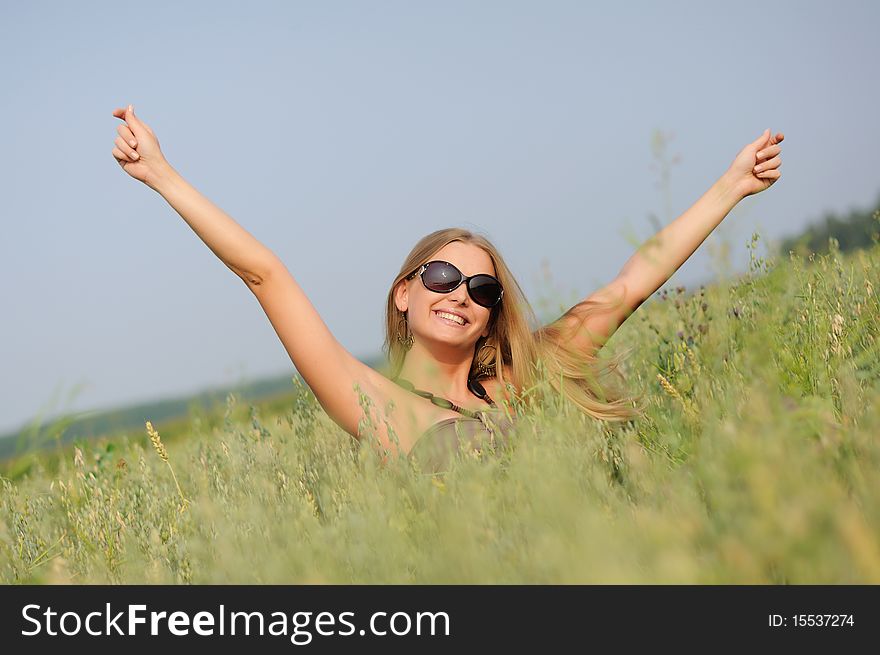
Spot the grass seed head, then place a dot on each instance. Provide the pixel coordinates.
(157, 442)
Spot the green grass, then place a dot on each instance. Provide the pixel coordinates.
(758, 462)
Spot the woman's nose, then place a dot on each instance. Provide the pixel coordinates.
(460, 294)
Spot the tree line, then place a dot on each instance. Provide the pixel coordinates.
(860, 228)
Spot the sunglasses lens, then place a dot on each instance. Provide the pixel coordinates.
(442, 277)
(485, 290)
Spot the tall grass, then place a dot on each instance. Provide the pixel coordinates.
(758, 462)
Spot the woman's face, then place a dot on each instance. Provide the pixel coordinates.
(422, 306)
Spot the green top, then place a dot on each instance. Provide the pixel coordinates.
(437, 446)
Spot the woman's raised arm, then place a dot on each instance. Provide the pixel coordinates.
(325, 365)
(754, 169)
(144, 161)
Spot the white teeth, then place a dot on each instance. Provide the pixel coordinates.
(451, 317)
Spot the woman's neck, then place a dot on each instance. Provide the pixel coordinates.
(445, 376)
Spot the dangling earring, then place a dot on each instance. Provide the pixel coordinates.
(407, 342)
(484, 369)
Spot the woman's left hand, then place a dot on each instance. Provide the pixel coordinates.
(756, 167)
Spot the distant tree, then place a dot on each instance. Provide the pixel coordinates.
(858, 229)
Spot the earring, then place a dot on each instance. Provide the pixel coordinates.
(483, 369)
(408, 341)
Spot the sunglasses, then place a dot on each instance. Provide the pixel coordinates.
(443, 277)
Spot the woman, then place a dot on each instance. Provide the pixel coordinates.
(457, 335)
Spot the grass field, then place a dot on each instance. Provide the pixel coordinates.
(758, 462)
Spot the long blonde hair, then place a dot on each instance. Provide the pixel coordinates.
(581, 376)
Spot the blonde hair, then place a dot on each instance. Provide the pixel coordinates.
(519, 349)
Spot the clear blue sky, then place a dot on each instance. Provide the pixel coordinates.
(339, 133)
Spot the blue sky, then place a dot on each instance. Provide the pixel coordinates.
(339, 133)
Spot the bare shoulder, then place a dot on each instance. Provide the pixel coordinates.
(394, 409)
(338, 379)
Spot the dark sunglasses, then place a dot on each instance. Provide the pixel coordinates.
(443, 277)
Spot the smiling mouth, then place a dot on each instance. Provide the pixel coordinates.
(448, 321)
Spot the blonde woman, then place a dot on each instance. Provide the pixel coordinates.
(460, 335)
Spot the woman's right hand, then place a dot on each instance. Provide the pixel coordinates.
(143, 160)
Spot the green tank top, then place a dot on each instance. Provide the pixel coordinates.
(442, 442)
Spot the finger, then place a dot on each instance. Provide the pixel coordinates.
(770, 175)
(121, 157)
(135, 124)
(768, 152)
(126, 135)
(130, 154)
(769, 164)
(761, 140)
